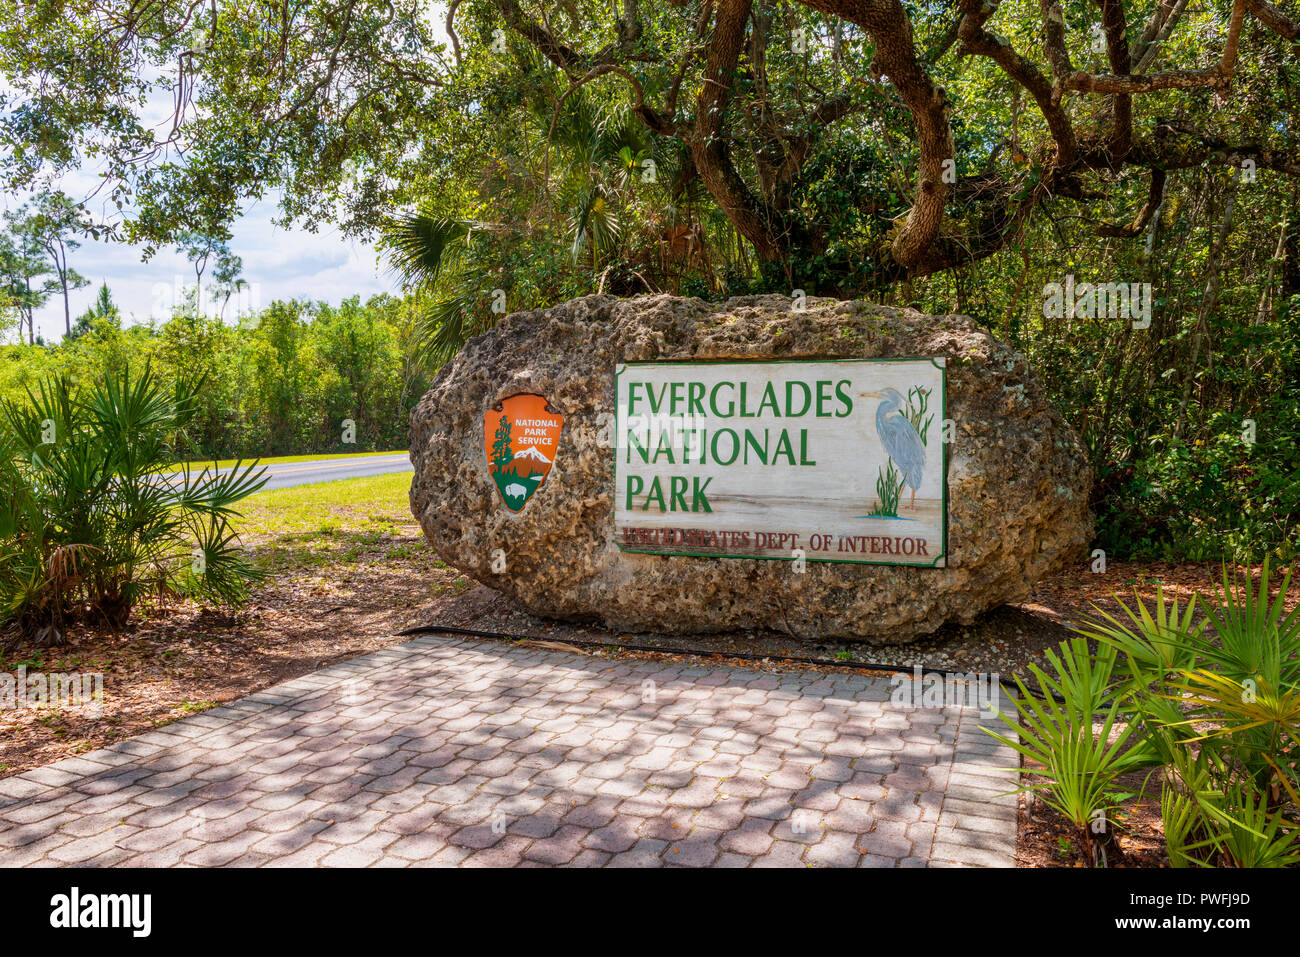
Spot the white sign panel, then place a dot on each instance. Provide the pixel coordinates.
(818, 460)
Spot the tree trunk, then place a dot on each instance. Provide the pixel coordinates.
(708, 143)
(67, 311)
(1266, 297)
(31, 316)
(890, 28)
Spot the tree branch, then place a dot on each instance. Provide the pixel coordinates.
(1273, 18)
(891, 30)
(1155, 197)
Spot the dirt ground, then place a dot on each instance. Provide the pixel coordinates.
(176, 661)
(1005, 641)
(1045, 839)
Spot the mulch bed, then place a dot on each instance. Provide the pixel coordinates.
(174, 661)
(1046, 839)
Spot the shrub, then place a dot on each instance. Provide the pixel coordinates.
(1212, 701)
(93, 517)
(1081, 763)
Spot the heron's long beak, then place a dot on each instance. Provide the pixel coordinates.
(879, 393)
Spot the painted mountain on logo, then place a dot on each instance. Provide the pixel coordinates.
(532, 453)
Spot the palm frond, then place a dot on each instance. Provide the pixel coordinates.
(425, 248)
(445, 325)
(90, 521)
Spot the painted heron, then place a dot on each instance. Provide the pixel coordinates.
(900, 438)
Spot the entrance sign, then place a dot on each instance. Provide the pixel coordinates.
(837, 460)
(520, 437)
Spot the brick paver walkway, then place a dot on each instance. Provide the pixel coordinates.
(442, 752)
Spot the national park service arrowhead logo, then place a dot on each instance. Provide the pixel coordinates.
(520, 437)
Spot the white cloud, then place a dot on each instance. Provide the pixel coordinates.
(278, 263)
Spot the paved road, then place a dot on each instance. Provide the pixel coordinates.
(441, 752)
(287, 474)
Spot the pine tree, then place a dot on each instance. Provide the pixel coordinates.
(501, 446)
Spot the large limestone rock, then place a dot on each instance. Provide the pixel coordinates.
(1018, 480)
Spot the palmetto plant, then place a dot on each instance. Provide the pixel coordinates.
(1212, 818)
(602, 152)
(1254, 634)
(598, 181)
(1071, 732)
(1154, 642)
(1250, 834)
(593, 225)
(93, 515)
(1214, 699)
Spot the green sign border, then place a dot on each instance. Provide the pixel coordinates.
(939, 362)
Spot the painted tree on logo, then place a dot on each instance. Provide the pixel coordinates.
(501, 454)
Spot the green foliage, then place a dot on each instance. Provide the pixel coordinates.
(424, 247)
(102, 308)
(1161, 411)
(91, 522)
(281, 382)
(21, 266)
(889, 485)
(1055, 730)
(592, 202)
(556, 145)
(1212, 699)
(1192, 426)
(48, 223)
(439, 257)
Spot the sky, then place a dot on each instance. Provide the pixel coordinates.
(277, 263)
